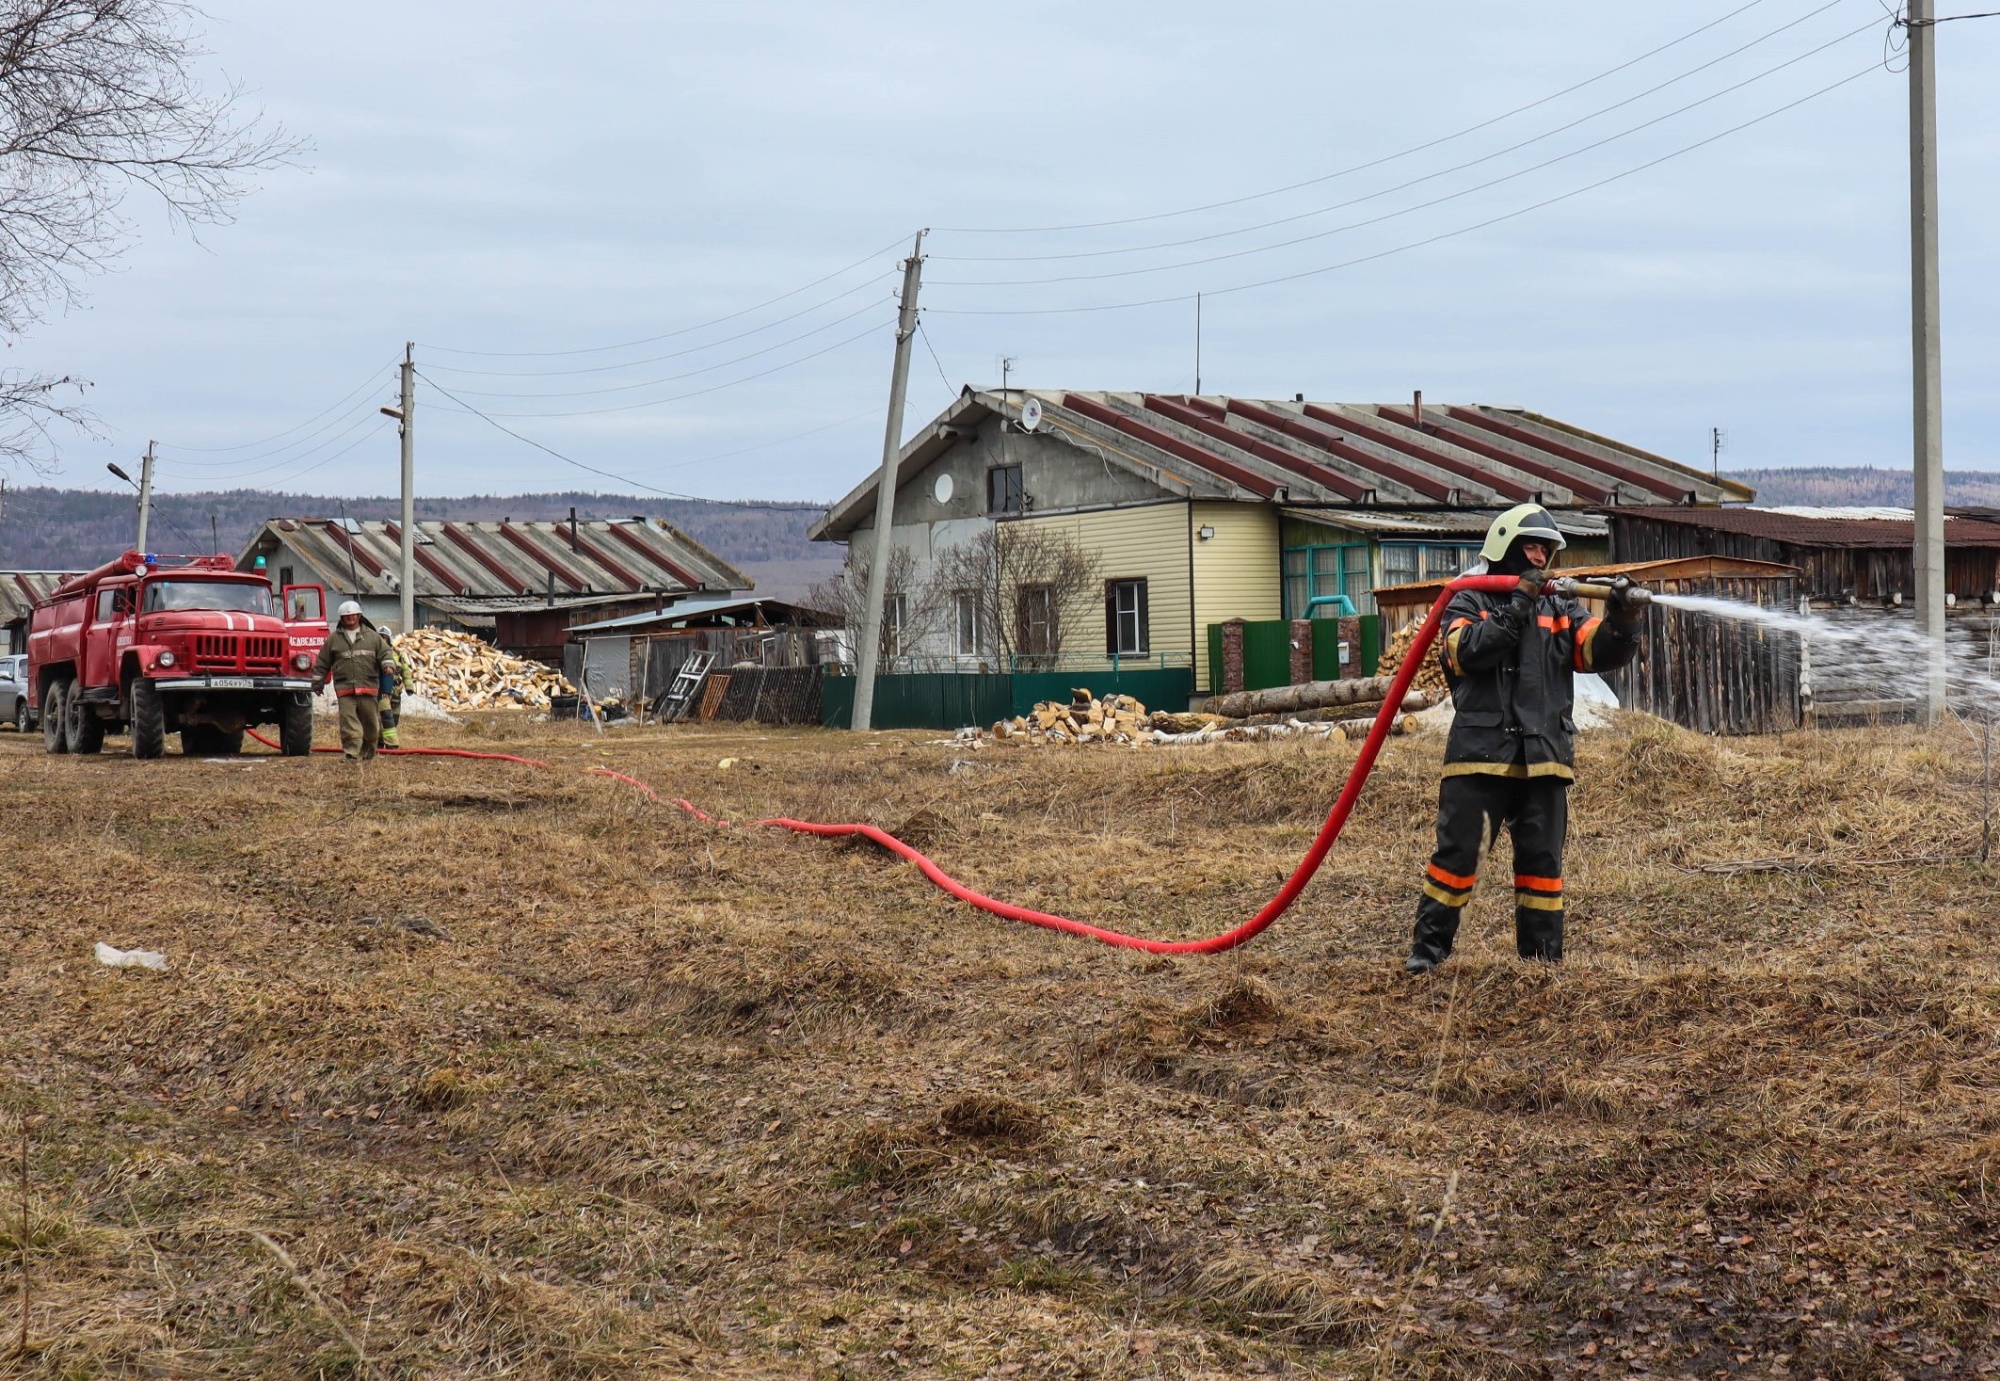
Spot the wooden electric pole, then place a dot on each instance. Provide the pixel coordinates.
(1927, 390)
(885, 496)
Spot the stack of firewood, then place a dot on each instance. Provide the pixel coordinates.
(1084, 719)
(460, 672)
(1430, 676)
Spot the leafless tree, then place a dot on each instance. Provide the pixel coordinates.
(1033, 583)
(913, 611)
(99, 98)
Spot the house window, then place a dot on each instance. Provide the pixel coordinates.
(1126, 632)
(1324, 573)
(1003, 489)
(1035, 621)
(895, 610)
(965, 612)
(1442, 562)
(1402, 564)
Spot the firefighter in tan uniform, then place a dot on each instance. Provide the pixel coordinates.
(355, 659)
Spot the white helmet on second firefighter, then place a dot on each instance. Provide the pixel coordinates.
(1522, 520)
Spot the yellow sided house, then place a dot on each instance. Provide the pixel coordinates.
(1041, 530)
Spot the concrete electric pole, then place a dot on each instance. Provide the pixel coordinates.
(406, 415)
(1927, 390)
(406, 570)
(145, 492)
(885, 496)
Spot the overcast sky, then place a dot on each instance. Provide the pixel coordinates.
(512, 178)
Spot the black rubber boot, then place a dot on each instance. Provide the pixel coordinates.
(1538, 935)
(1437, 927)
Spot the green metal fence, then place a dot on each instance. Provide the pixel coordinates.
(955, 700)
(1267, 652)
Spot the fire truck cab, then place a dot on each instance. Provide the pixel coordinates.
(196, 648)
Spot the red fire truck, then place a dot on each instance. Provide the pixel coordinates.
(196, 648)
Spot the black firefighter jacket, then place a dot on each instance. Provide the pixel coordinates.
(1512, 666)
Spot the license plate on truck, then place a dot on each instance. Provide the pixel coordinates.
(231, 683)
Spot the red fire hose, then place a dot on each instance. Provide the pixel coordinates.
(1329, 830)
(1336, 819)
(423, 752)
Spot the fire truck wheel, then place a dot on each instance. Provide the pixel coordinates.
(149, 721)
(55, 717)
(295, 735)
(86, 730)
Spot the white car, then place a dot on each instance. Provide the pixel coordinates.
(14, 693)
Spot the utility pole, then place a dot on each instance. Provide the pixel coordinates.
(885, 495)
(145, 493)
(1927, 388)
(1717, 439)
(406, 570)
(1197, 344)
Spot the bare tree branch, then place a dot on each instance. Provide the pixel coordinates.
(98, 98)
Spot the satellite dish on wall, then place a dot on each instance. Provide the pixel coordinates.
(1031, 414)
(941, 489)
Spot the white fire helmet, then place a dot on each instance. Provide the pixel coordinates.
(347, 607)
(1523, 520)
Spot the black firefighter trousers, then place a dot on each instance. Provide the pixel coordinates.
(1471, 810)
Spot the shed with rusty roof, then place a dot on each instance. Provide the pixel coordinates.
(1844, 556)
(526, 580)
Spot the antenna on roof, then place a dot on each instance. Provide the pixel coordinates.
(1718, 441)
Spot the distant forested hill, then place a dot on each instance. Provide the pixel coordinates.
(1826, 487)
(70, 529)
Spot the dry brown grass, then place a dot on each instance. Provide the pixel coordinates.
(519, 1074)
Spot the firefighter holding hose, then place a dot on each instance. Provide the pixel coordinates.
(1511, 660)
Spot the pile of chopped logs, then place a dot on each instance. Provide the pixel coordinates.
(461, 672)
(1085, 719)
(1327, 709)
(1430, 676)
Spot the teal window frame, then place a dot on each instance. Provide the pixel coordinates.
(1347, 579)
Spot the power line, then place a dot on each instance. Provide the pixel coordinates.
(1358, 167)
(247, 445)
(1427, 177)
(688, 374)
(870, 330)
(670, 355)
(348, 424)
(595, 470)
(1414, 244)
(685, 330)
(943, 378)
(1419, 206)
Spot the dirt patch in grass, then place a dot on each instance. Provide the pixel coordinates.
(465, 1068)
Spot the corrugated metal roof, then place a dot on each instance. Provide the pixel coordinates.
(1776, 525)
(21, 591)
(1291, 451)
(504, 560)
(702, 608)
(1451, 522)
